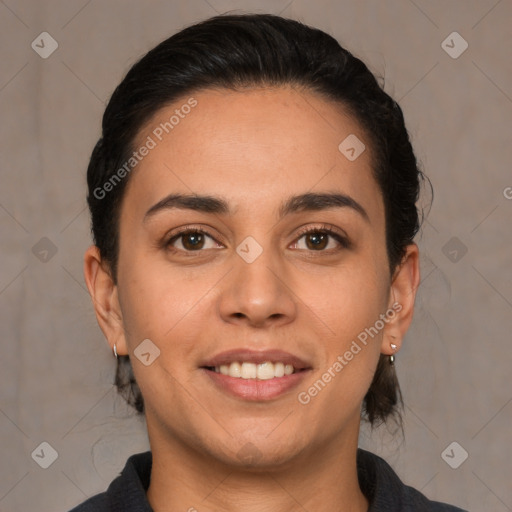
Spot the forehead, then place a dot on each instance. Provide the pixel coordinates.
(252, 146)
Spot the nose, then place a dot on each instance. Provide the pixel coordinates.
(257, 293)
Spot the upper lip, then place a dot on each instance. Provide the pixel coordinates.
(242, 355)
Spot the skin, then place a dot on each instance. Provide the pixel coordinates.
(255, 148)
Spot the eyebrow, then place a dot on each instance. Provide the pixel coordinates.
(304, 202)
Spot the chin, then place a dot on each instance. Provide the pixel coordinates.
(259, 454)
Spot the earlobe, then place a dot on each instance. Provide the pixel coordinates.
(103, 292)
(402, 297)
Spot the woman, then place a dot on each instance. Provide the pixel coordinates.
(254, 270)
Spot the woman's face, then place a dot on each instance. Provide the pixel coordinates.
(253, 281)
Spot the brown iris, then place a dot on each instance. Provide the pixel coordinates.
(319, 240)
(196, 241)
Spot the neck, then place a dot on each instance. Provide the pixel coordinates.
(323, 478)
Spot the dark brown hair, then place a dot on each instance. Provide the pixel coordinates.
(237, 51)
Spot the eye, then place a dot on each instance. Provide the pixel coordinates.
(317, 239)
(192, 240)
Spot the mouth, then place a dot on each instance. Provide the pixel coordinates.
(256, 376)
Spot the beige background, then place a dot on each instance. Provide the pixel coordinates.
(56, 369)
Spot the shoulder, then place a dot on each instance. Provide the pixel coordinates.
(416, 501)
(97, 503)
(387, 492)
(127, 492)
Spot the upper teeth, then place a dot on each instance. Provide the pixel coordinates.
(261, 371)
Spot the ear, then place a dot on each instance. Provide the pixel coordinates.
(402, 295)
(105, 300)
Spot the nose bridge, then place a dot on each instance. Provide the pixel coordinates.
(257, 291)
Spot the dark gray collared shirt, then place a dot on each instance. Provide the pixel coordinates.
(378, 482)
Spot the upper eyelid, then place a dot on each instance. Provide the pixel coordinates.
(303, 230)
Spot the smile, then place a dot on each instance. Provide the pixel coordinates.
(264, 371)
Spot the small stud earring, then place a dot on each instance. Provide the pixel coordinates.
(115, 350)
(392, 356)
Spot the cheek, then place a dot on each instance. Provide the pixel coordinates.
(350, 352)
(172, 313)
(354, 300)
(153, 297)
(352, 309)
(171, 306)
(154, 307)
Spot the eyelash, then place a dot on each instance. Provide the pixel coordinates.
(324, 229)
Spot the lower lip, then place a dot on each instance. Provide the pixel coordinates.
(253, 389)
